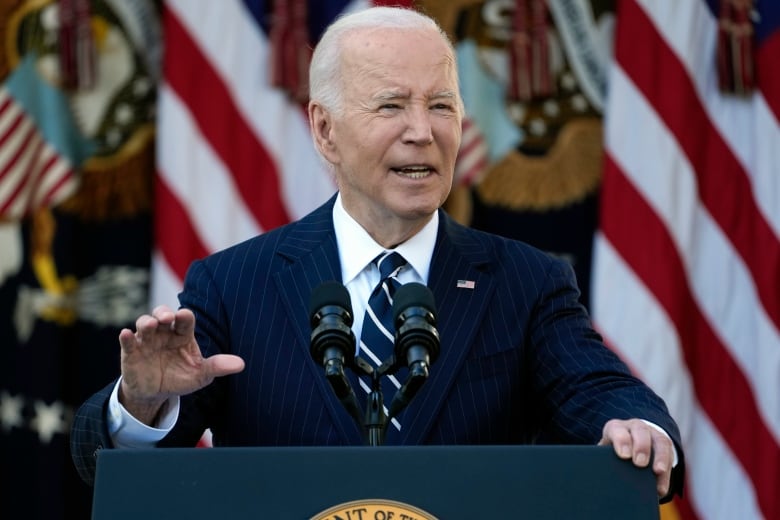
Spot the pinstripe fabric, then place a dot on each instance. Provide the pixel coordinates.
(519, 360)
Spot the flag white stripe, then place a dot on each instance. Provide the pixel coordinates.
(652, 350)
(718, 486)
(164, 284)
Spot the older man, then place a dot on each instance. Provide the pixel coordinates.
(519, 360)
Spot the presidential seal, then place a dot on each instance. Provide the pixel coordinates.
(373, 509)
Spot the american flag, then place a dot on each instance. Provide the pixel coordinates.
(38, 149)
(686, 283)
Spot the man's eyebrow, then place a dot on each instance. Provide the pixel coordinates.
(391, 95)
(450, 94)
(398, 94)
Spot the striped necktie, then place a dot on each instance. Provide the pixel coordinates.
(377, 338)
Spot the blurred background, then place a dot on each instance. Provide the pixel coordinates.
(637, 139)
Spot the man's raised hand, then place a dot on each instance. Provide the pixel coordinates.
(162, 359)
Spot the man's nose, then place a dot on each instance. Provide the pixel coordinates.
(418, 126)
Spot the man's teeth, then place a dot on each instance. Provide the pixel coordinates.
(415, 172)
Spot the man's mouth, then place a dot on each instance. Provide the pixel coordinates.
(414, 172)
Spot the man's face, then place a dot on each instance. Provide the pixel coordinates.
(395, 143)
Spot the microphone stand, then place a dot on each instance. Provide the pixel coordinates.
(375, 419)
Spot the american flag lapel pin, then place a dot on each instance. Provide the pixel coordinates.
(465, 284)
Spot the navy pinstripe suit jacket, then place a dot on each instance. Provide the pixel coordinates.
(519, 360)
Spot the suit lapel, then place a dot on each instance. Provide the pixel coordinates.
(458, 256)
(311, 251)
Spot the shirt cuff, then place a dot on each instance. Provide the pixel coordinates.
(128, 432)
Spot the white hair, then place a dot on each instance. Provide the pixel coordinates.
(325, 68)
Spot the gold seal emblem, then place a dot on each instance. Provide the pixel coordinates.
(373, 509)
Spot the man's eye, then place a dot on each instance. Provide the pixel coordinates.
(390, 106)
(442, 106)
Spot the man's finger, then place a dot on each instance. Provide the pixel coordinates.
(127, 340)
(184, 322)
(663, 453)
(618, 435)
(663, 458)
(223, 364)
(631, 439)
(642, 443)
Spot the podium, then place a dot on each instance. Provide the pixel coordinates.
(345, 483)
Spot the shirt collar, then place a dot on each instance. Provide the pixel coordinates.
(357, 249)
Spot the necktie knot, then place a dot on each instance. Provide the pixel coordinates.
(389, 264)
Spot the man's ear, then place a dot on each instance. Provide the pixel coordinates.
(321, 123)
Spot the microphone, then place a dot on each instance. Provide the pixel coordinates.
(332, 340)
(416, 338)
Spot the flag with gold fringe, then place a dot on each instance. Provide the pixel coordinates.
(77, 109)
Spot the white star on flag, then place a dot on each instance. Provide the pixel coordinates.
(48, 420)
(10, 411)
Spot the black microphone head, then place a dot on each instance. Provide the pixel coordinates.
(413, 295)
(327, 294)
(331, 318)
(414, 315)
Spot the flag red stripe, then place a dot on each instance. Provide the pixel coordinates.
(741, 426)
(469, 176)
(470, 146)
(29, 184)
(6, 102)
(683, 505)
(724, 186)
(193, 79)
(13, 161)
(11, 130)
(768, 73)
(49, 197)
(53, 195)
(175, 237)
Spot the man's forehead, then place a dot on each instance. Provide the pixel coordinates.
(387, 40)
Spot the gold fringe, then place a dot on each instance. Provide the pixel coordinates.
(10, 16)
(568, 173)
(43, 229)
(669, 511)
(446, 12)
(117, 186)
(61, 309)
